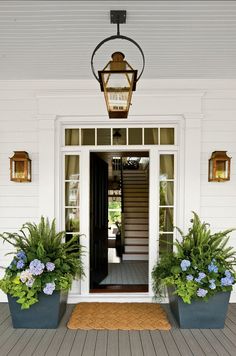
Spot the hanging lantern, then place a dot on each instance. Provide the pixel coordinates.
(118, 79)
(20, 167)
(219, 167)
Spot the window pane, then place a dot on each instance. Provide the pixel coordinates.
(135, 136)
(166, 193)
(167, 136)
(166, 167)
(165, 243)
(72, 194)
(166, 219)
(72, 221)
(119, 136)
(88, 137)
(72, 137)
(71, 167)
(103, 136)
(151, 136)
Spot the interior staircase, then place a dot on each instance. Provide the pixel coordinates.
(135, 205)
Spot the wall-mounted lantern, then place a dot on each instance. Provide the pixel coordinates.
(118, 79)
(20, 167)
(219, 167)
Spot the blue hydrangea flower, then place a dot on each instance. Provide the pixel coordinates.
(36, 267)
(212, 286)
(50, 266)
(228, 273)
(189, 277)
(185, 264)
(49, 288)
(30, 283)
(20, 264)
(21, 255)
(227, 281)
(212, 267)
(201, 275)
(202, 292)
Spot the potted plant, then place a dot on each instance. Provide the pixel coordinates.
(40, 274)
(199, 275)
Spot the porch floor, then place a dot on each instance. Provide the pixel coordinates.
(133, 272)
(64, 342)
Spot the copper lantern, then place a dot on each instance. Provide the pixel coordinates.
(20, 167)
(118, 81)
(219, 167)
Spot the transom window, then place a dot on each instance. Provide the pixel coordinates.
(120, 136)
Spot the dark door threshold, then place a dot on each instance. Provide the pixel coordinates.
(120, 288)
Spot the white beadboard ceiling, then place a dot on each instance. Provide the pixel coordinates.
(55, 39)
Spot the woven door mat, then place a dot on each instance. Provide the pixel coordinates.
(119, 316)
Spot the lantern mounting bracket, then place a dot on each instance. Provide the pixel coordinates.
(117, 17)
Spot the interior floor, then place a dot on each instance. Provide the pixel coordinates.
(127, 272)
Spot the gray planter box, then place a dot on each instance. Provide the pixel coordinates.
(200, 314)
(46, 314)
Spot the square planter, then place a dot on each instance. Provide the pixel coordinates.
(200, 314)
(45, 314)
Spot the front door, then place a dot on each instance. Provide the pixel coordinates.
(98, 220)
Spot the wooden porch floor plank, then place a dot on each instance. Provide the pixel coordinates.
(228, 345)
(215, 343)
(33, 343)
(11, 341)
(21, 343)
(148, 347)
(158, 343)
(101, 344)
(135, 343)
(192, 342)
(78, 344)
(181, 343)
(170, 343)
(113, 343)
(67, 343)
(90, 343)
(124, 343)
(205, 345)
(64, 342)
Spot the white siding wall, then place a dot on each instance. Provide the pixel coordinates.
(19, 112)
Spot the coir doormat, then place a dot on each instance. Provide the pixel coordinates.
(122, 316)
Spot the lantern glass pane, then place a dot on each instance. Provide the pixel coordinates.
(103, 136)
(167, 166)
(72, 167)
(117, 100)
(167, 136)
(19, 169)
(118, 80)
(72, 137)
(221, 171)
(119, 136)
(88, 137)
(135, 136)
(72, 220)
(151, 136)
(72, 193)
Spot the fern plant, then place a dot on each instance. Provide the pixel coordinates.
(201, 264)
(43, 262)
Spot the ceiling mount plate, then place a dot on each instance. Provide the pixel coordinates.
(118, 16)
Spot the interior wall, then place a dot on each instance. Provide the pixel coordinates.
(19, 130)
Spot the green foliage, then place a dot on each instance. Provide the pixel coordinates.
(210, 264)
(43, 244)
